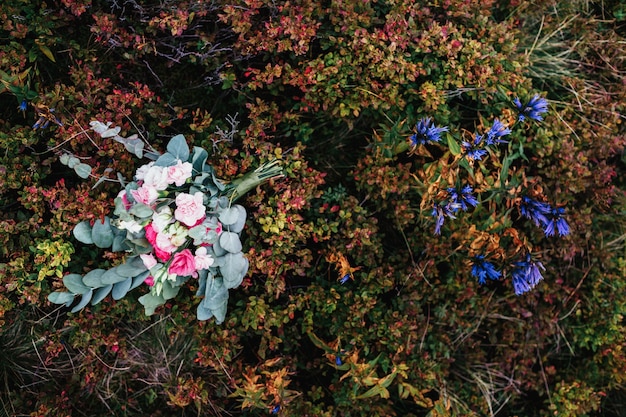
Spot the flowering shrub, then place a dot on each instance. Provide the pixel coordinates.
(175, 221)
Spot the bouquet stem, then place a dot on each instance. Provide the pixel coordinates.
(240, 186)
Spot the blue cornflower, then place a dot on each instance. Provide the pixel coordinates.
(484, 269)
(526, 275)
(533, 109)
(276, 409)
(556, 222)
(426, 132)
(23, 105)
(472, 150)
(464, 198)
(344, 279)
(535, 210)
(441, 210)
(338, 361)
(498, 129)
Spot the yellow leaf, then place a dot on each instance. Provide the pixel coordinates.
(47, 52)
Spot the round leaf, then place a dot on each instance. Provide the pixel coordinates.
(61, 297)
(82, 233)
(234, 269)
(93, 278)
(112, 277)
(151, 302)
(100, 293)
(230, 242)
(102, 234)
(82, 170)
(74, 283)
(121, 289)
(83, 302)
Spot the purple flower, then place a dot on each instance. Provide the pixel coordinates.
(441, 210)
(23, 105)
(498, 129)
(533, 109)
(484, 269)
(276, 409)
(426, 132)
(464, 198)
(526, 275)
(556, 222)
(535, 210)
(472, 150)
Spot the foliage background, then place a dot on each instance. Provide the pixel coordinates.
(333, 89)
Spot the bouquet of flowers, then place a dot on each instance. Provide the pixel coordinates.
(174, 221)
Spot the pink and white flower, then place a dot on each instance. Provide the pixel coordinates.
(189, 208)
(156, 177)
(162, 219)
(178, 174)
(140, 174)
(130, 225)
(149, 261)
(145, 194)
(202, 259)
(151, 237)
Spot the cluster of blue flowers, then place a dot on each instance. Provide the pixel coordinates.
(526, 274)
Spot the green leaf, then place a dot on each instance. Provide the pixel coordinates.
(61, 297)
(111, 277)
(119, 244)
(151, 302)
(46, 51)
(199, 157)
(82, 232)
(82, 170)
(74, 283)
(215, 301)
(230, 215)
(230, 242)
(178, 147)
(100, 293)
(453, 145)
(93, 278)
(139, 279)
(102, 234)
(132, 267)
(234, 269)
(121, 289)
(141, 210)
(169, 291)
(166, 160)
(83, 301)
(238, 226)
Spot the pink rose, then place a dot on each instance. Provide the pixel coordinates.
(179, 173)
(122, 195)
(151, 237)
(189, 209)
(145, 194)
(183, 264)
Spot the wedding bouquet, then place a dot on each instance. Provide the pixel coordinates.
(175, 221)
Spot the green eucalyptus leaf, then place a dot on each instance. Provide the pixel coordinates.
(141, 210)
(64, 159)
(139, 279)
(121, 289)
(132, 267)
(230, 242)
(238, 226)
(178, 147)
(234, 269)
(166, 160)
(151, 302)
(199, 157)
(100, 294)
(169, 291)
(72, 161)
(112, 276)
(215, 301)
(218, 250)
(203, 313)
(82, 232)
(93, 278)
(101, 233)
(61, 297)
(82, 170)
(229, 215)
(74, 283)
(119, 244)
(83, 301)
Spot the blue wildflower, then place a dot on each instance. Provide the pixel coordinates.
(556, 222)
(23, 105)
(441, 210)
(464, 198)
(535, 210)
(338, 361)
(344, 279)
(498, 129)
(426, 132)
(526, 275)
(533, 109)
(483, 269)
(472, 150)
(276, 409)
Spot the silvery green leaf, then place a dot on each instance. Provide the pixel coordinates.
(166, 160)
(178, 147)
(151, 302)
(82, 170)
(100, 293)
(234, 269)
(169, 291)
(199, 158)
(121, 289)
(74, 283)
(83, 301)
(203, 274)
(64, 158)
(82, 232)
(119, 244)
(112, 277)
(93, 278)
(230, 242)
(139, 279)
(215, 300)
(141, 210)
(61, 297)
(238, 226)
(132, 267)
(203, 313)
(218, 250)
(229, 215)
(72, 161)
(101, 233)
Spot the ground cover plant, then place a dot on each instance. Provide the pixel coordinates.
(446, 238)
